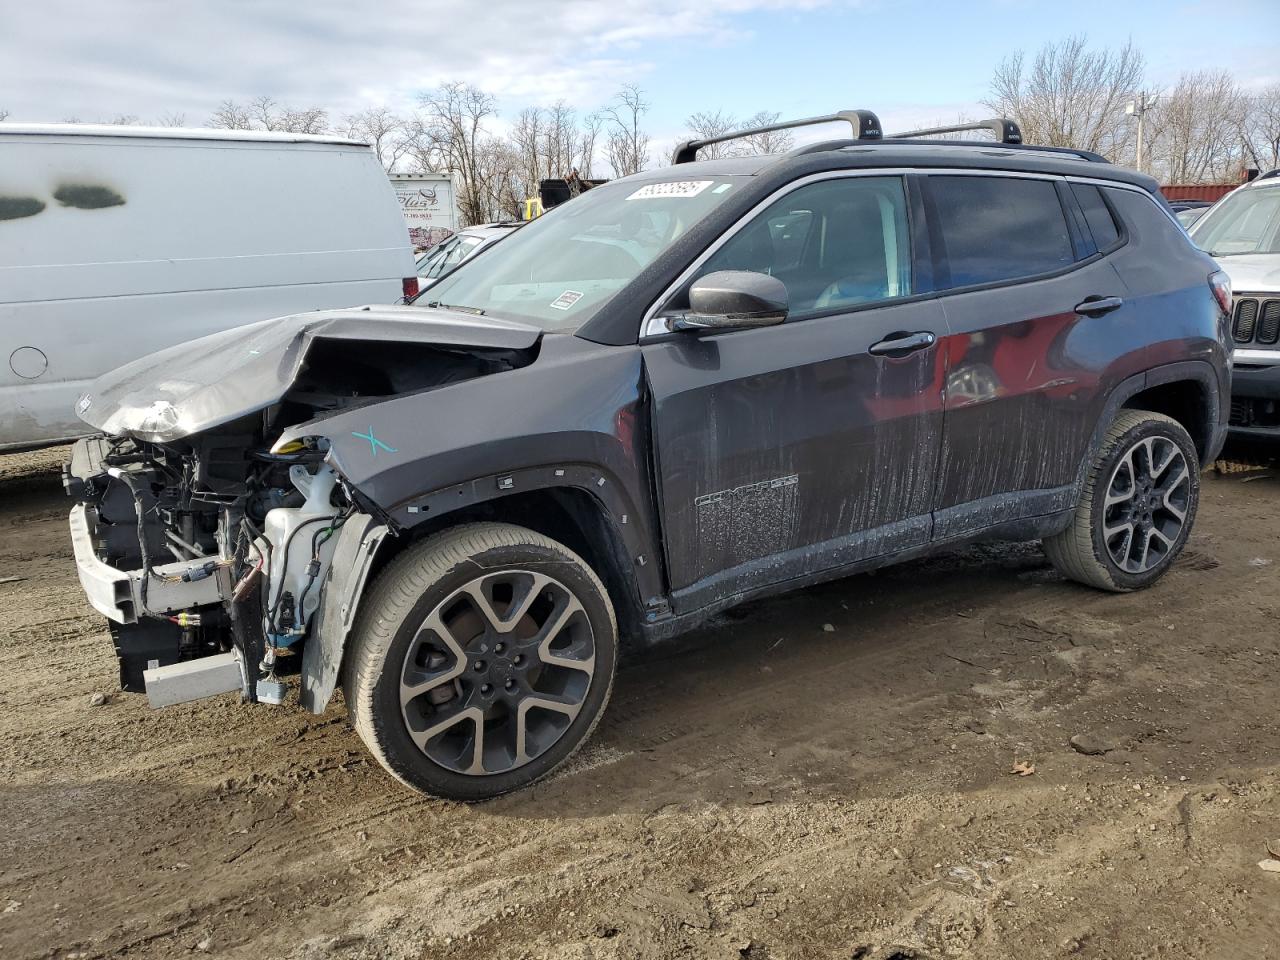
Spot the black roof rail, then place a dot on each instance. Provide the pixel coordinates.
(1006, 130)
(1268, 175)
(1029, 147)
(866, 126)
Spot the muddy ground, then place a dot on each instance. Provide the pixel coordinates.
(771, 789)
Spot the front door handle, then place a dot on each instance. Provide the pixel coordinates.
(1097, 306)
(901, 344)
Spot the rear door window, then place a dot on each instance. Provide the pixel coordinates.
(995, 229)
(1097, 215)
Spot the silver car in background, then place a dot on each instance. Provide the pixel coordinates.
(443, 257)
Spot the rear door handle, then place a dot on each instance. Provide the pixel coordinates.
(1097, 306)
(901, 344)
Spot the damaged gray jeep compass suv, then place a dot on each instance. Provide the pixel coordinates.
(679, 391)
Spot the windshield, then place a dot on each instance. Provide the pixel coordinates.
(558, 270)
(436, 253)
(1247, 221)
(1191, 215)
(460, 248)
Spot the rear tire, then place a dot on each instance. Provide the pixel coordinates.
(481, 660)
(1137, 506)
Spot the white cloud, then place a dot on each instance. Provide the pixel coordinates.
(145, 57)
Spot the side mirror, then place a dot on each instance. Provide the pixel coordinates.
(734, 299)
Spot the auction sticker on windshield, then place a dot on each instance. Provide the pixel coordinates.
(677, 188)
(566, 300)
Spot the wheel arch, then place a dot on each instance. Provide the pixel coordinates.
(1187, 391)
(571, 515)
(1190, 401)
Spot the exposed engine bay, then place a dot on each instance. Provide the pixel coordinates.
(226, 543)
(210, 553)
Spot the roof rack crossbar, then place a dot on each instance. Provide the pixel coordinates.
(1006, 130)
(865, 124)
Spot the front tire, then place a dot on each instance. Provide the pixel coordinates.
(1137, 506)
(481, 660)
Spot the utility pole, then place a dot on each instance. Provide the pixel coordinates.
(1138, 108)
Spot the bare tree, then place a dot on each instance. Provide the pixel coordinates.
(626, 146)
(1069, 95)
(587, 136)
(382, 130)
(449, 134)
(549, 144)
(124, 120)
(1261, 130)
(310, 120)
(263, 113)
(172, 119)
(231, 116)
(775, 141)
(1196, 129)
(560, 139)
(499, 164)
(705, 125)
(526, 139)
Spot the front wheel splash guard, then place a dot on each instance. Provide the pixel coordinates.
(353, 557)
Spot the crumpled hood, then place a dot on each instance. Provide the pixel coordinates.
(207, 382)
(1253, 272)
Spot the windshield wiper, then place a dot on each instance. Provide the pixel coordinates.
(475, 311)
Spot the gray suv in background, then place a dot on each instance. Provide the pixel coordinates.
(682, 390)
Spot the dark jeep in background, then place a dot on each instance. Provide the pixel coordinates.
(679, 391)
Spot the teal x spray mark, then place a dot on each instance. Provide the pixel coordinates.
(374, 442)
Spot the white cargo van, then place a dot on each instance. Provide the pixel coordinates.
(116, 242)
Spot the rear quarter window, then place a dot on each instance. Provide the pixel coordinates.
(1097, 215)
(995, 229)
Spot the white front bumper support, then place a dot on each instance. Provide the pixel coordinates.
(117, 594)
(108, 589)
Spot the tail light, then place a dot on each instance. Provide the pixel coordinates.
(1220, 284)
(409, 286)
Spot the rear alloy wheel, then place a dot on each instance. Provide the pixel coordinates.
(483, 659)
(1145, 505)
(1137, 507)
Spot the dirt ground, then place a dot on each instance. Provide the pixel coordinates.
(822, 775)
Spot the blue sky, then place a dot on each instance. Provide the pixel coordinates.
(911, 62)
(920, 61)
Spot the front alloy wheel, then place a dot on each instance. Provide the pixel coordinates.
(497, 672)
(481, 659)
